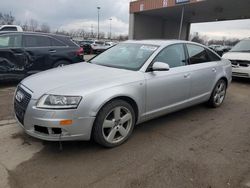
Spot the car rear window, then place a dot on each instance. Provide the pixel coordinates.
(99, 42)
(8, 29)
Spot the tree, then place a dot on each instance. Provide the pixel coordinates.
(33, 25)
(6, 19)
(197, 38)
(45, 28)
(25, 26)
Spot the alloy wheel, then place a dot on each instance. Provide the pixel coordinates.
(220, 93)
(117, 124)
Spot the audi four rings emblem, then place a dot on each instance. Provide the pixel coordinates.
(19, 96)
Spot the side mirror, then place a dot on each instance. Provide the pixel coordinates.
(160, 66)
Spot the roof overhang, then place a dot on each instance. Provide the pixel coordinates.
(195, 10)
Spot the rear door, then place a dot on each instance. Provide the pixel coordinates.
(168, 90)
(13, 62)
(60, 50)
(203, 70)
(38, 49)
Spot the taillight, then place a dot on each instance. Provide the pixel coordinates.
(79, 52)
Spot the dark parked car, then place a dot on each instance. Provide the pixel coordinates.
(86, 45)
(25, 53)
(219, 49)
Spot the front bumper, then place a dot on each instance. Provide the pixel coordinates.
(49, 120)
(243, 72)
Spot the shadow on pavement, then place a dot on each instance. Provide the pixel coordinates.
(241, 80)
(4, 84)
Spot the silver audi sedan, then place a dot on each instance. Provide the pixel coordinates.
(128, 84)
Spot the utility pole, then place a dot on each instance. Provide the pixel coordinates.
(110, 29)
(181, 22)
(98, 15)
(92, 34)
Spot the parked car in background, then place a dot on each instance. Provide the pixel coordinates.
(98, 46)
(86, 45)
(25, 53)
(130, 83)
(239, 56)
(109, 44)
(11, 28)
(220, 49)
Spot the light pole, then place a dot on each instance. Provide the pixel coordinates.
(98, 15)
(110, 28)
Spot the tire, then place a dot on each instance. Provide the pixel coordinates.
(61, 63)
(218, 95)
(112, 126)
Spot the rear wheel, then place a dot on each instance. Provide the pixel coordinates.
(61, 63)
(114, 123)
(218, 94)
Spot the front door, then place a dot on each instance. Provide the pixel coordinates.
(168, 90)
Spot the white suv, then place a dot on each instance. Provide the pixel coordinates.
(10, 28)
(239, 56)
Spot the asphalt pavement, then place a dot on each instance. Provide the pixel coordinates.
(197, 147)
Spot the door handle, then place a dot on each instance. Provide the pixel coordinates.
(214, 69)
(52, 51)
(187, 75)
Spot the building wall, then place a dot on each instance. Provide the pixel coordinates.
(171, 30)
(147, 27)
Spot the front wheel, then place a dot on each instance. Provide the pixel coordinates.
(114, 123)
(218, 94)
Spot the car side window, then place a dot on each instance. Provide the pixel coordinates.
(173, 55)
(36, 41)
(55, 42)
(197, 54)
(10, 41)
(212, 56)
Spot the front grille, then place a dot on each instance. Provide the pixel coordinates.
(21, 103)
(238, 74)
(240, 63)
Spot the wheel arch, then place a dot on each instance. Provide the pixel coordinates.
(128, 99)
(61, 59)
(225, 79)
(125, 98)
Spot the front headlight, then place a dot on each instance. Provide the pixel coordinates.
(58, 102)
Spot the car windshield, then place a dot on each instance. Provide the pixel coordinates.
(242, 46)
(88, 42)
(125, 56)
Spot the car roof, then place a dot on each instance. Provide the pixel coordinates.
(158, 42)
(32, 33)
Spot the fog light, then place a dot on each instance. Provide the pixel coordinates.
(66, 122)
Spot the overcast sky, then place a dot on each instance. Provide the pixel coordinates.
(76, 14)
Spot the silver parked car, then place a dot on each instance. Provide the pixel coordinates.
(130, 83)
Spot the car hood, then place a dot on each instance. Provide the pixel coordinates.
(244, 56)
(78, 79)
